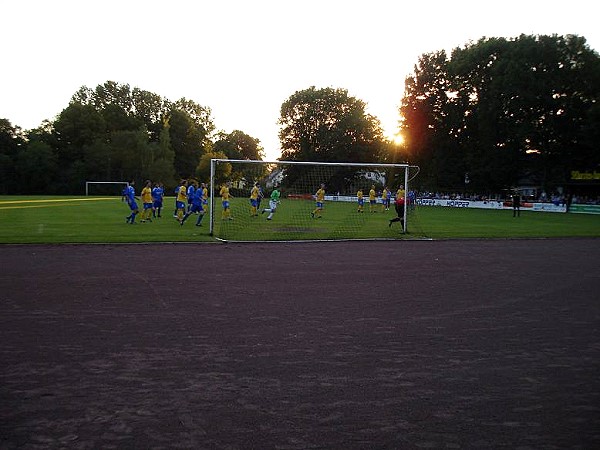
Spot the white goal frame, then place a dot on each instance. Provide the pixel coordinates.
(215, 161)
(87, 184)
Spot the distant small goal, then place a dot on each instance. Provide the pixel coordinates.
(105, 187)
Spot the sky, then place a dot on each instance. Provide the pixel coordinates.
(244, 58)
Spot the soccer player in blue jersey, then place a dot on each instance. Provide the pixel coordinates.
(129, 196)
(196, 208)
(191, 191)
(412, 196)
(158, 193)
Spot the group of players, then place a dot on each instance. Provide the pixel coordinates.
(191, 198)
(385, 196)
(256, 197)
(386, 200)
(151, 198)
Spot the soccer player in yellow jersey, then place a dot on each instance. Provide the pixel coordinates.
(320, 200)
(400, 192)
(205, 198)
(361, 200)
(372, 199)
(181, 200)
(225, 196)
(147, 201)
(254, 200)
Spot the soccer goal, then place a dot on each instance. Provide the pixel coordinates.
(295, 211)
(105, 187)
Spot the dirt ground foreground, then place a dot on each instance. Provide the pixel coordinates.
(334, 345)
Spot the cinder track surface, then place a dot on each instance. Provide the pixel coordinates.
(335, 345)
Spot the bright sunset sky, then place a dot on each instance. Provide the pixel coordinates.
(244, 58)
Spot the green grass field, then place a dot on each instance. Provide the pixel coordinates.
(102, 220)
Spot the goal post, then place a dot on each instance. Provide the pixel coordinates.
(298, 213)
(105, 187)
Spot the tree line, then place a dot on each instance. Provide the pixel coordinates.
(116, 133)
(498, 113)
(494, 114)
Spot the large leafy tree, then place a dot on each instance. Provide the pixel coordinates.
(426, 108)
(239, 145)
(152, 110)
(331, 126)
(114, 132)
(514, 110)
(186, 141)
(36, 167)
(131, 153)
(162, 166)
(328, 125)
(223, 171)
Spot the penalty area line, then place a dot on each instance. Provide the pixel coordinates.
(58, 200)
(15, 204)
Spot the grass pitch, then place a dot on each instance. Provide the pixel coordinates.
(102, 220)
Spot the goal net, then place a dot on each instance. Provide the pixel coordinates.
(300, 211)
(105, 187)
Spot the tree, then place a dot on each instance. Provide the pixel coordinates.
(113, 132)
(200, 115)
(11, 141)
(223, 170)
(162, 167)
(99, 161)
(430, 141)
(152, 110)
(503, 111)
(36, 168)
(113, 93)
(131, 153)
(328, 125)
(186, 141)
(531, 97)
(239, 145)
(77, 125)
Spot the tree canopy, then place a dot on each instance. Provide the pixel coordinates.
(501, 112)
(495, 113)
(111, 132)
(328, 125)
